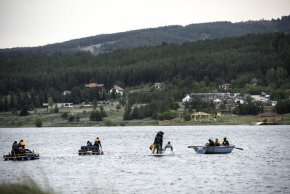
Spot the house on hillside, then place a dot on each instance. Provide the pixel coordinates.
(225, 86)
(99, 87)
(158, 85)
(66, 92)
(118, 90)
(187, 98)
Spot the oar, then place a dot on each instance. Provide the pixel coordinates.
(239, 148)
(191, 146)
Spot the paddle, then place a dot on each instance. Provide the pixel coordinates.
(239, 148)
(190, 146)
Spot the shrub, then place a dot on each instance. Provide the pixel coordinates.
(187, 117)
(38, 122)
(64, 115)
(24, 112)
(109, 123)
(96, 116)
(77, 118)
(71, 118)
(56, 109)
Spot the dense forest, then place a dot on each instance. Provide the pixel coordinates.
(191, 67)
(156, 36)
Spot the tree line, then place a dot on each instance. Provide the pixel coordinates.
(28, 80)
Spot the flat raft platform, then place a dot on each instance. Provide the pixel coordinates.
(90, 150)
(27, 155)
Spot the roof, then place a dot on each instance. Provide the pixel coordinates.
(200, 113)
(116, 87)
(94, 85)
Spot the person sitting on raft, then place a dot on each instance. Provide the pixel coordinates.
(168, 145)
(89, 143)
(225, 142)
(15, 148)
(21, 146)
(98, 143)
(217, 142)
(210, 143)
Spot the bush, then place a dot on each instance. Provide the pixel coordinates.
(24, 112)
(283, 107)
(109, 123)
(187, 117)
(71, 118)
(64, 115)
(56, 109)
(77, 118)
(167, 115)
(96, 116)
(38, 122)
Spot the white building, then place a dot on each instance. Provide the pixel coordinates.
(118, 90)
(187, 98)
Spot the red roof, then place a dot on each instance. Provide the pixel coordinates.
(94, 85)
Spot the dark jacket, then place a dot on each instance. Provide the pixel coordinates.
(211, 142)
(226, 143)
(15, 146)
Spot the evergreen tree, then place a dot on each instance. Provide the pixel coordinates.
(5, 105)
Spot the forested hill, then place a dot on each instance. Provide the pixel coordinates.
(157, 36)
(191, 67)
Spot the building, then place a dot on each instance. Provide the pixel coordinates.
(118, 90)
(201, 116)
(187, 98)
(66, 92)
(158, 85)
(99, 87)
(225, 86)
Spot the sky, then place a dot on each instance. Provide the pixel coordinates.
(26, 23)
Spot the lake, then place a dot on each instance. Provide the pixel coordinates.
(126, 167)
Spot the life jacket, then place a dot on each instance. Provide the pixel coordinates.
(152, 146)
(217, 143)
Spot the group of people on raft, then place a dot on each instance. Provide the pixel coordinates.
(217, 142)
(158, 142)
(18, 148)
(97, 144)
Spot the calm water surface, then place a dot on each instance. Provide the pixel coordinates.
(262, 167)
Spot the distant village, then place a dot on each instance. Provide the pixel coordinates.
(224, 102)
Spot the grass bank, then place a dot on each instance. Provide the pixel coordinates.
(115, 118)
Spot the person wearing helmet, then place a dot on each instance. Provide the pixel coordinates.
(225, 142)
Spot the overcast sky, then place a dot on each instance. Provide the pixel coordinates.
(40, 22)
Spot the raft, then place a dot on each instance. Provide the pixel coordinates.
(162, 154)
(90, 150)
(26, 155)
(213, 149)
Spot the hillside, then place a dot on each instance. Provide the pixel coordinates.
(229, 60)
(156, 36)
